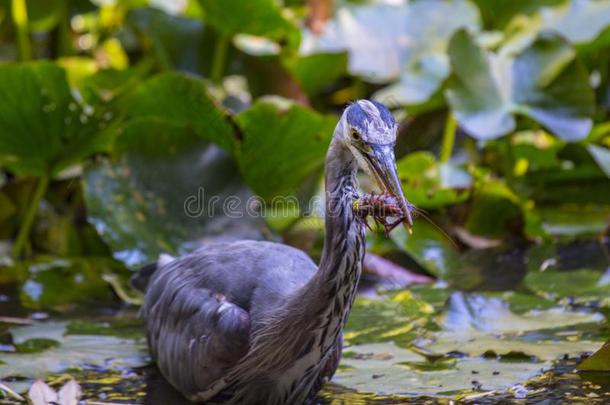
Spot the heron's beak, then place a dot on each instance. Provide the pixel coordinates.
(382, 163)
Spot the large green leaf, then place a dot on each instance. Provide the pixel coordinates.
(256, 17)
(167, 191)
(545, 82)
(281, 146)
(386, 42)
(181, 100)
(44, 127)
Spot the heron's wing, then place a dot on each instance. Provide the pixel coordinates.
(195, 334)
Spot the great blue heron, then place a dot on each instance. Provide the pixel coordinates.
(255, 322)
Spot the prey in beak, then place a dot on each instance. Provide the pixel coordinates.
(381, 164)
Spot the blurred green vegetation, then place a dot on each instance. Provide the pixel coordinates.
(114, 113)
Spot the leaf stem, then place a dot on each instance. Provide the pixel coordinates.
(28, 220)
(20, 19)
(219, 58)
(448, 138)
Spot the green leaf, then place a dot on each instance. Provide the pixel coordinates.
(255, 17)
(428, 184)
(545, 82)
(181, 100)
(165, 193)
(599, 361)
(43, 126)
(384, 43)
(281, 147)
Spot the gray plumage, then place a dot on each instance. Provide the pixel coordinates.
(254, 322)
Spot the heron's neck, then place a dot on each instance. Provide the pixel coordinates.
(344, 232)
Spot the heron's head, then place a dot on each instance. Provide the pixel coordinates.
(369, 132)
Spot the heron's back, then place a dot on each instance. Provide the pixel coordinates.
(200, 309)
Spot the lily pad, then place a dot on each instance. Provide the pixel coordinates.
(167, 192)
(70, 351)
(545, 82)
(383, 368)
(395, 319)
(282, 145)
(582, 285)
(44, 127)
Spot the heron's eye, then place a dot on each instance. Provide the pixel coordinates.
(355, 135)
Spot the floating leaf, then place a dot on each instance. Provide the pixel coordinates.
(74, 351)
(545, 82)
(281, 146)
(581, 285)
(43, 127)
(384, 369)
